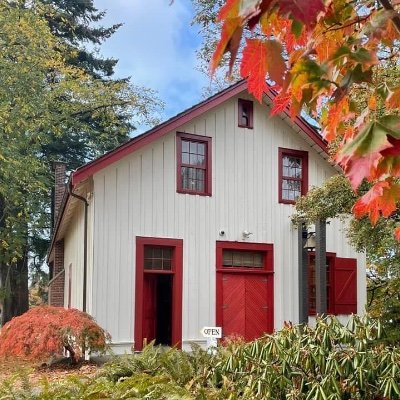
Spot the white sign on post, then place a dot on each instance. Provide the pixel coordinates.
(212, 333)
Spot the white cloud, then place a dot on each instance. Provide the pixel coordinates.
(156, 47)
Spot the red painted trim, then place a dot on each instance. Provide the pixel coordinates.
(177, 244)
(96, 165)
(249, 105)
(208, 177)
(268, 269)
(304, 180)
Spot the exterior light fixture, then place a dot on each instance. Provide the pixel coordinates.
(311, 242)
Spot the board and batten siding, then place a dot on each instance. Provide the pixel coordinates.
(74, 255)
(136, 196)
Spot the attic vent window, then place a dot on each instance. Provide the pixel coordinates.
(193, 164)
(245, 113)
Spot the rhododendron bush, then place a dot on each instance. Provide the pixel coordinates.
(45, 331)
(318, 52)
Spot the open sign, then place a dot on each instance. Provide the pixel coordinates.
(212, 332)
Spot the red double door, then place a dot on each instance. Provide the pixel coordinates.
(245, 294)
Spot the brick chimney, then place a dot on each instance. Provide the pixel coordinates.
(59, 169)
(57, 273)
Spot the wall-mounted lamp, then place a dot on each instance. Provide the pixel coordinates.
(311, 242)
(246, 234)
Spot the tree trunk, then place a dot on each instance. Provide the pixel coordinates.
(15, 294)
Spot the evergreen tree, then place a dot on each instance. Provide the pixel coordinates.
(58, 103)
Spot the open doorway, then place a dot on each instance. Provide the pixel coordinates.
(158, 308)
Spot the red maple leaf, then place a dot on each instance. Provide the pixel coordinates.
(254, 66)
(281, 102)
(380, 200)
(303, 10)
(358, 168)
(230, 39)
(394, 150)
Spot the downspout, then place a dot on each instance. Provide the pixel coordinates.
(84, 243)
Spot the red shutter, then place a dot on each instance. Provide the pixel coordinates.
(345, 286)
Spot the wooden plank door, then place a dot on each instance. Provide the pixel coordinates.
(245, 305)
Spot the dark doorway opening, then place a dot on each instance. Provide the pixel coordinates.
(164, 310)
(157, 324)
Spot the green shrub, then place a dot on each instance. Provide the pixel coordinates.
(327, 362)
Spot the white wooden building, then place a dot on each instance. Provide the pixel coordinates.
(188, 225)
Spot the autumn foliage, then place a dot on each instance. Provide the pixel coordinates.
(44, 331)
(316, 53)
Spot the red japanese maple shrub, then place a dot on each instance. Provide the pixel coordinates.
(45, 331)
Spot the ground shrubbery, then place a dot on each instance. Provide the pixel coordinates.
(45, 331)
(327, 362)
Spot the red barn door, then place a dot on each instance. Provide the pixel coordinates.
(244, 289)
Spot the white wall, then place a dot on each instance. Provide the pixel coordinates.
(137, 197)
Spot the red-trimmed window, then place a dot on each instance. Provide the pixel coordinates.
(193, 164)
(245, 113)
(293, 175)
(341, 284)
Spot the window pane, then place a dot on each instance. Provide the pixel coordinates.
(185, 158)
(200, 160)
(227, 257)
(167, 253)
(243, 259)
(193, 159)
(157, 258)
(201, 149)
(291, 190)
(200, 186)
(200, 174)
(157, 252)
(185, 146)
(193, 147)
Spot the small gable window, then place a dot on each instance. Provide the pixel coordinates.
(245, 113)
(193, 164)
(293, 175)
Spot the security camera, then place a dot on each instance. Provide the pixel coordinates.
(221, 232)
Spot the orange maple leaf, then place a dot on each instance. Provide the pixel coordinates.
(281, 102)
(254, 67)
(393, 100)
(380, 200)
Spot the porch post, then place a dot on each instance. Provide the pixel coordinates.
(303, 273)
(320, 267)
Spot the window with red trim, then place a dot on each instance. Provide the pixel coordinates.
(193, 164)
(341, 284)
(293, 175)
(245, 113)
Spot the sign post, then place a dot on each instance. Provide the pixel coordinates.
(212, 333)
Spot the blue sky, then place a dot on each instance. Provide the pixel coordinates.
(156, 48)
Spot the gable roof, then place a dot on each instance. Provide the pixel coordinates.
(87, 170)
(84, 172)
